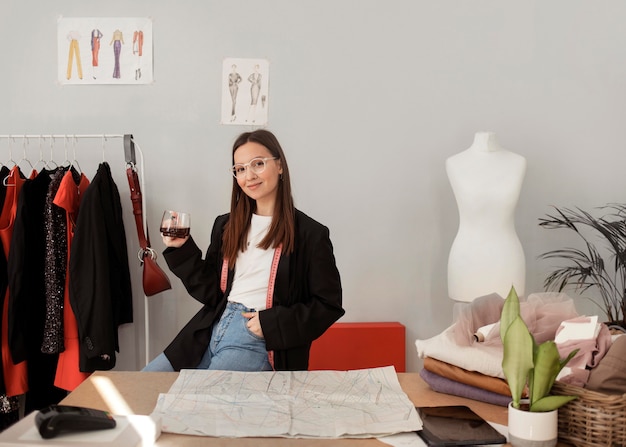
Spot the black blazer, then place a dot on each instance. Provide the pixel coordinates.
(307, 296)
(100, 288)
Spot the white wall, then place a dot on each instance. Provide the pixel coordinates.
(368, 99)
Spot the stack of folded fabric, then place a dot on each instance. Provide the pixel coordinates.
(609, 375)
(457, 363)
(449, 379)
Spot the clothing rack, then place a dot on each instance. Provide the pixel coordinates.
(53, 138)
(130, 158)
(59, 136)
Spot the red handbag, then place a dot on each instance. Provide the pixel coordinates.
(154, 278)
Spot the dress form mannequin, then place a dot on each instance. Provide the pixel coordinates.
(486, 255)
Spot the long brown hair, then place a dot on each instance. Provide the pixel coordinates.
(282, 228)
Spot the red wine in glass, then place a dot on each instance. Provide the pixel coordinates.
(175, 232)
(175, 224)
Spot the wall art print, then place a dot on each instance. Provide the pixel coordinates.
(103, 50)
(245, 91)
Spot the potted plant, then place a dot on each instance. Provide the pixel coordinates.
(587, 268)
(528, 365)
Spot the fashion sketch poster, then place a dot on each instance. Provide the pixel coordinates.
(104, 50)
(245, 91)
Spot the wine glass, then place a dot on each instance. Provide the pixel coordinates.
(175, 224)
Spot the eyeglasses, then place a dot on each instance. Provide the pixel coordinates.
(257, 165)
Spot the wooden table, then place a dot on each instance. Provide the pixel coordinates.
(137, 392)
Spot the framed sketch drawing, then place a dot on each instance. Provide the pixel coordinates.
(101, 50)
(245, 91)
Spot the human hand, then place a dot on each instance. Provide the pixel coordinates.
(174, 242)
(254, 323)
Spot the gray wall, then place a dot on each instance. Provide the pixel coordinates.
(368, 99)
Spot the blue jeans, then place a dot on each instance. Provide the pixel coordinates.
(232, 348)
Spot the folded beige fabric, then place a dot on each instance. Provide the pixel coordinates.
(479, 380)
(609, 376)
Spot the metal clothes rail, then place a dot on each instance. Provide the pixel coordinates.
(59, 136)
(53, 138)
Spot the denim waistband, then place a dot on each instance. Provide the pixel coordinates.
(231, 305)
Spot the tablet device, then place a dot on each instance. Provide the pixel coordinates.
(456, 425)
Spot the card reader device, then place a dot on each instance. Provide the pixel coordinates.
(56, 419)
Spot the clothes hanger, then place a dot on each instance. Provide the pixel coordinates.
(74, 163)
(51, 162)
(6, 179)
(67, 163)
(41, 160)
(11, 143)
(104, 140)
(24, 157)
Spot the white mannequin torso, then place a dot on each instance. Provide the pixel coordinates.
(486, 255)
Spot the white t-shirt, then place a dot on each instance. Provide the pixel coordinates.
(252, 270)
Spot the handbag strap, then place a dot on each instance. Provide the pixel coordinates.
(136, 199)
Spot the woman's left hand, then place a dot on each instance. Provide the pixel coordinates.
(254, 323)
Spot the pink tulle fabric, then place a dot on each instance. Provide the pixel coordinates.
(542, 313)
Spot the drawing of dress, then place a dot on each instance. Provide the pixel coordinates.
(73, 37)
(117, 41)
(255, 88)
(233, 86)
(96, 35)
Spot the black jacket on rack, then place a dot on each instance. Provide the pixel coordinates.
(27, 295)
(100, 288)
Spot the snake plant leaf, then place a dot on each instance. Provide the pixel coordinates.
(568, 358)
(549, 403)
(517, 360)
(526, 363)
(547, 366)
(510, 310)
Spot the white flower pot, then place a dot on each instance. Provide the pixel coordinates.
(528, 429)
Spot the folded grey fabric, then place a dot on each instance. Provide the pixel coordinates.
(609, 376)
(447, 386)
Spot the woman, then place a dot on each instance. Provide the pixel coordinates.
(268, 282)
